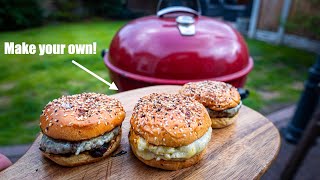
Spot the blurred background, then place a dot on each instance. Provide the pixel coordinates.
(283, 37)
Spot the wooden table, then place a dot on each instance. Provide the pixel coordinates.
(243, 150)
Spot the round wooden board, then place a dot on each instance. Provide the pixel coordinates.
(243, 150)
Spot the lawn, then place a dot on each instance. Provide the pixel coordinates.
(28, 82)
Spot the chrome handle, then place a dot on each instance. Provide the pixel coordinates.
(172, 9)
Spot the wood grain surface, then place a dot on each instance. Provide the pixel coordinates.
(243, 150)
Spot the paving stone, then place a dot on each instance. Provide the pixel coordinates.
(309, 170)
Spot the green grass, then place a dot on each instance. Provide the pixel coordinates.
(29, 82)
(278, 75)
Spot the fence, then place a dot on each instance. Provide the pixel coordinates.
(292, 22)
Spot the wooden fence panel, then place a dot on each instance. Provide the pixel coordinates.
(270, 12)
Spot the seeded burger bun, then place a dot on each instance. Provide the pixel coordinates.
(169, 131)
(81, 129)
(222, 100)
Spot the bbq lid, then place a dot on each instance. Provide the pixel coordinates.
(178, 43)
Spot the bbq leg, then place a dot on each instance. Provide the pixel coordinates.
(306, 143)
(306, 106)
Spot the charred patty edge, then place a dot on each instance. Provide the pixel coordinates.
(59, 147)
(227, 113)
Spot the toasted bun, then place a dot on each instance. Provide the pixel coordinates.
(215, 95)
(168, 164)
(222, 122)
(83, 158)
(81, 117)
(169, 119)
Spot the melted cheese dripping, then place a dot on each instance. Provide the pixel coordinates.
(148, 151)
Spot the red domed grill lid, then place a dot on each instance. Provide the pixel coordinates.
(180, 45)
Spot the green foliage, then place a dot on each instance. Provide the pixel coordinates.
(75, 10)
(309, 25)
(19, 14)
(110, 8)
(66, 11)
(305, 22)
(315, 2)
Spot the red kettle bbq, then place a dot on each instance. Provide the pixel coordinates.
(177, 46)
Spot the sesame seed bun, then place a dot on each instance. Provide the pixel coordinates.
(214, 95)
(169, 120)
(85, 157)
(81, 116)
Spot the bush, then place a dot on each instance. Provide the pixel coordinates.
(67, 10)
(19, 14)
(305, 21)
(110, 8)
(305, 25)
(74, 10)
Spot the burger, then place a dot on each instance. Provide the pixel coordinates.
(222, 100)
(169, 131)
(81, 129)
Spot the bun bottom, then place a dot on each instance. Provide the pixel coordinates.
(168, 164)
(83, 158)
(222, 122)
(172, 165)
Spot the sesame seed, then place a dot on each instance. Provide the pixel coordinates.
(83, 106)
(166, 113)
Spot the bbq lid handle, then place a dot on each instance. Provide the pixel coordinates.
(173, 9)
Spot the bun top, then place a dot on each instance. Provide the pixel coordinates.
(215, 95)
(169, 120)
(81, 116)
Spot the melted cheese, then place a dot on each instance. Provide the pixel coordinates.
(148, 151)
